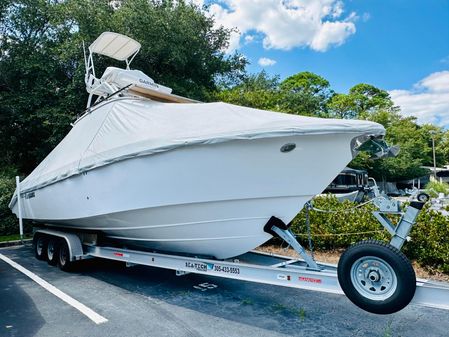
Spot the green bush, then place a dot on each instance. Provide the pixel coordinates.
(430, 236)
(341, 227)
(435, 187)
(8, 221)
(430, 240)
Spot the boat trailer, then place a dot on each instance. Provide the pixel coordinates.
(374, 275)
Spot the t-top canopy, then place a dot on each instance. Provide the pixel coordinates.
(114, 45)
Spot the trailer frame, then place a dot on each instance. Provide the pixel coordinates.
(254, 266)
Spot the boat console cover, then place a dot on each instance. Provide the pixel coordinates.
(123, 128)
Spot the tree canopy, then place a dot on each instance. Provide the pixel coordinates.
(42, 64)
(42, 78)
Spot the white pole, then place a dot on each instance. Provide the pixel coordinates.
(19, 206)
(434, 160)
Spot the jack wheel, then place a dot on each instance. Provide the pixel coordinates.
(376, 277)
(423, 197)
(40, 247)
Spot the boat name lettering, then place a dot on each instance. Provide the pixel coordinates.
(30, 195)
(145, 81)
(310, 279)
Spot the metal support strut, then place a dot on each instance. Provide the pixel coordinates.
(401, 230)
(387, 205)
(277, 227)
(288, 237)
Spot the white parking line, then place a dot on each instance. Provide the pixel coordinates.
(98, 319)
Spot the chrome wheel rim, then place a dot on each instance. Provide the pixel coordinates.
(374, 278)
(51, 250)
(39, 247)
(62, 256)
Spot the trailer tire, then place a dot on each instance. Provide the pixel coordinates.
(376, 277)
(64, 262)
(40, 246)
(52, 251)
(423, 197)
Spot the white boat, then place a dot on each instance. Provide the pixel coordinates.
(153, 169)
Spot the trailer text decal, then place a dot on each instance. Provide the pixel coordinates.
(196, 266)
(226, 269)
(204, 267)
(310, 279)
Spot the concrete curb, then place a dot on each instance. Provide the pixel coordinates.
(14, 243)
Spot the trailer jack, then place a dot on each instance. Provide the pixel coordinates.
(374, 275)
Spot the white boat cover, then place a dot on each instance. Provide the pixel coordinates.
(127, 127)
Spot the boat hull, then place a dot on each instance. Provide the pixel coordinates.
(209, 199)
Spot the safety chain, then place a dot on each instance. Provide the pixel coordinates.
(308, 207)
(339, 211)
(343, 234)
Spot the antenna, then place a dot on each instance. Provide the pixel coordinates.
(86, 76)
(84, 53)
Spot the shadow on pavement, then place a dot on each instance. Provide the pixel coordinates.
(16, 305)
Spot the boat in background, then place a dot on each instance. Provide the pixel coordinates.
(152, 169)
(350, 184)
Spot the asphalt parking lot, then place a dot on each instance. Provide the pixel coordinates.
(144, 301)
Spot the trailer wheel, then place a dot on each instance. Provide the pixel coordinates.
(376, 277)
(52, 251)
(64, 262)
(423, 197)
(40, 246)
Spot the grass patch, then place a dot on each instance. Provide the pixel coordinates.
(247, 301)
(278, 307)
(13, 237)
(301, 314)
(388, 332)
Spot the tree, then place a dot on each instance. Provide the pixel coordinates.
(368, 102)
(258, 91)
(42, 66)
(180, 46)
(415, 144)
(305, 93)
(368, 99)
(342, 106)
(32, 84)
(361, 101)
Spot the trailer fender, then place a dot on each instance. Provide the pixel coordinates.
(72, 240)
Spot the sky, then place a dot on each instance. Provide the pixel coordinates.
(398, 45)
